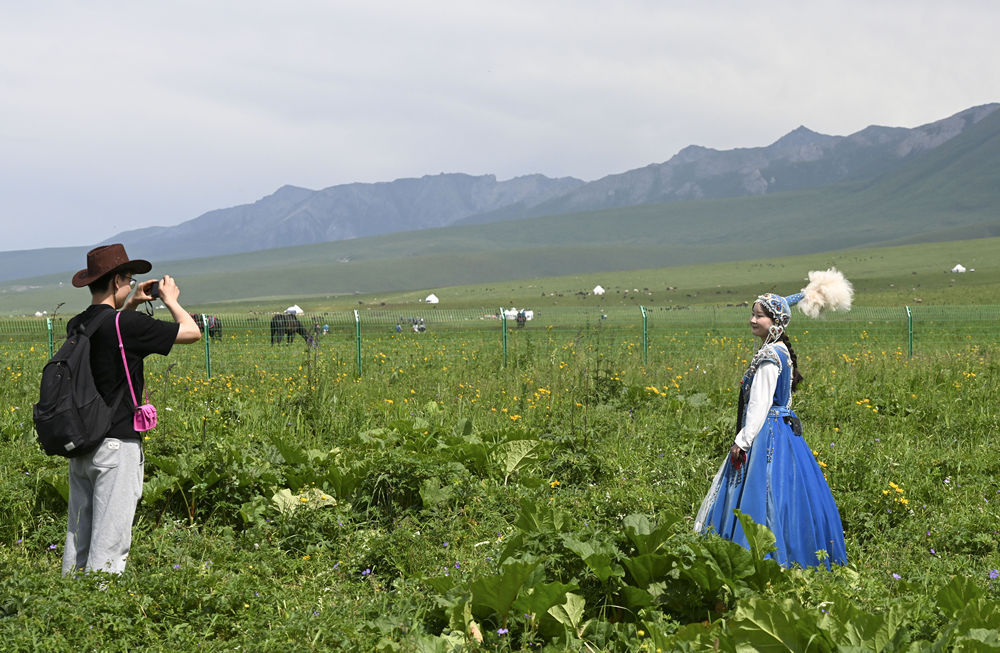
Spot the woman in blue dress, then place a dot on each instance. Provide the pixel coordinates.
(770, 473)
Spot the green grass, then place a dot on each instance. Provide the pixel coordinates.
(439, 476)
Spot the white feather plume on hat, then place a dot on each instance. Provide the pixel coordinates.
(828, 290)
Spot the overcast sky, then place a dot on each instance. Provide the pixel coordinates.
(121, 114)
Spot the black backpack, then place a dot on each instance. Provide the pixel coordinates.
(71, 416)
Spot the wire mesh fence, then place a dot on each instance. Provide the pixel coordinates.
(356, 342)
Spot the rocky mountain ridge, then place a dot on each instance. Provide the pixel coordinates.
(798, 160)
(299, 216)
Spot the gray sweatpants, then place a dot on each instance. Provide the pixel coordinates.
(104, 488)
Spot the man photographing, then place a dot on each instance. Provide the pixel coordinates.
(105, 483)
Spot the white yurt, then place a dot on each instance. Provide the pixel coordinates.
(432, 299)
(958, 269)
(598, 290)
(294, 310)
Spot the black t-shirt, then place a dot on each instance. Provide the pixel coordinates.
(142, 335)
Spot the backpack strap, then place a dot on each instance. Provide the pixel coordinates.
(90, 327)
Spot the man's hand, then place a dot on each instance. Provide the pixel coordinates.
(141, 293)
(169, 291)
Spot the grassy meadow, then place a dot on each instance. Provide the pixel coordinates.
(444, 501)
(511, 267)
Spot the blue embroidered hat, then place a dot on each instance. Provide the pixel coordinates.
(778, 307)
(827, 290)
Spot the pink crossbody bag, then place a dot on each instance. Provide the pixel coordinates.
(145, 415)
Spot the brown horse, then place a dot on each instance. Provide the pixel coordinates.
(286, 325)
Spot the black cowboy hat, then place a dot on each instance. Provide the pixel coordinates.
(108, 258)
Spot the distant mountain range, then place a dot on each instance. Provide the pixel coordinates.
(800, 159)
(293, 216)
(299, 216)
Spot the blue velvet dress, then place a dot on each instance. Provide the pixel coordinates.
(780, 485)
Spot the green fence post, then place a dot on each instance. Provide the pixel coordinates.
(208, 348)
(645, 337)
(357, 337)
(503, 328)
(909, 330)
(48, 325)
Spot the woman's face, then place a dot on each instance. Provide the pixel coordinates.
(760, 322)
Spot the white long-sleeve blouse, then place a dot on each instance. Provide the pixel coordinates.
(761, 398)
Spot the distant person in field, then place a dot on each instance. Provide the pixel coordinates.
(770, 472)
(105, 483)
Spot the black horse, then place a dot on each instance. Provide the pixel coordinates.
(214, 325)
(286, 325)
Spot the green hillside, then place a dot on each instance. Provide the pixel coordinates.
(894, 276)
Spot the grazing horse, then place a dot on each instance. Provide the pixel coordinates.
(286, 325)
(214, 325)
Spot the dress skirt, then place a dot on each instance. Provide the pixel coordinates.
(781, 486)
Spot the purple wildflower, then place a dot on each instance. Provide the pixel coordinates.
(502, 631)
(994, 574)
(896, 576)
